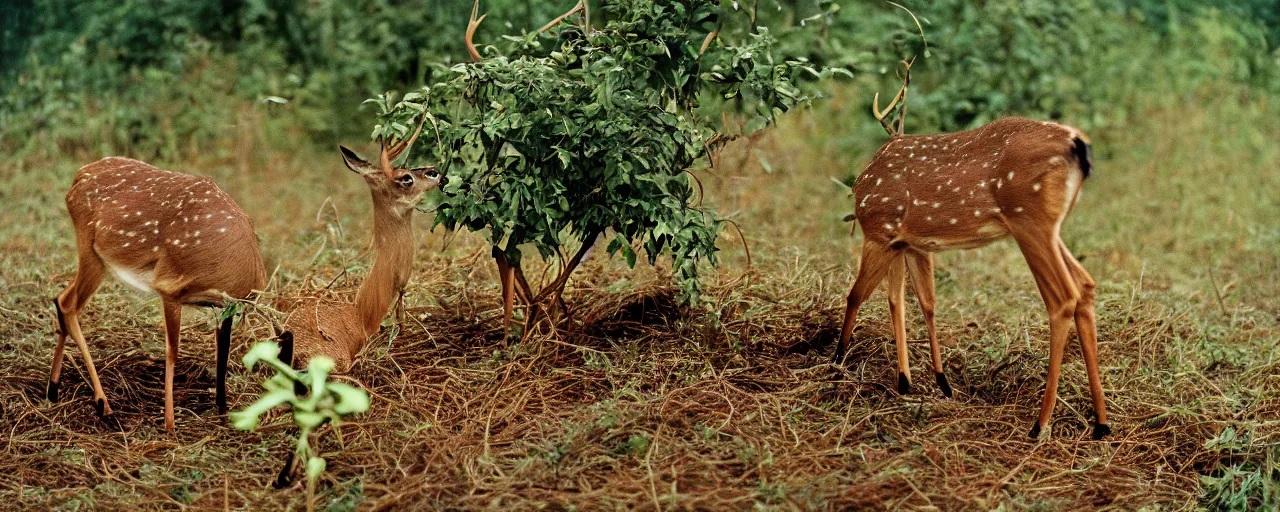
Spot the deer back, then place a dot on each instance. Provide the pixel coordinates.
(172, 233)
(958, 190)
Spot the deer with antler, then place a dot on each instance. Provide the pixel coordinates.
(337, 329)
(1014, 177)
(174, 234)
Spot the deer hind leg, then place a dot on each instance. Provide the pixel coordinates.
(876, 260)
(68, 306)
(896, 289)
(172, 324)
(920, 268)
(1087, 330)
(1061, 296)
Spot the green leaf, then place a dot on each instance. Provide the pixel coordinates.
(260, 351)
(351, 400)
(315, 468)
(247, 419)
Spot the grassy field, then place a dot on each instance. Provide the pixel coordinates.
(644, 404)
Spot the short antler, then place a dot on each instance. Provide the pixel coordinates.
(576, 9)
(392, 151)
(472, 25)
(900, 98)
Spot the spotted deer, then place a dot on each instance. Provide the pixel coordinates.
(1013, 177)
(173, 234)
(338, 329)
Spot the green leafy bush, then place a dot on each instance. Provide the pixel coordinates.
(570, 137)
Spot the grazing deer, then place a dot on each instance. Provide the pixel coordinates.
(174, 234)
(1013, 177)
(338, 329)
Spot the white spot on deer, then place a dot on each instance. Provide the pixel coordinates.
(953, 221)
(899, 207)
(929, 218)
(1035, 187)
(224, 230)
(1010, 175)
(878, 181)
(957, 189)
(1017, 209)
(884, 199)
(888, 226)
(936, 205)
(977, 213)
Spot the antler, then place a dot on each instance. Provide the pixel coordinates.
(472, 24)
(900, 97)
(576, 9)
(392, 151)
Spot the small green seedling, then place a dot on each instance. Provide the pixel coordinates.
(313, 399)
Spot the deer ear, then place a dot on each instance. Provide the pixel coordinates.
(355, 163)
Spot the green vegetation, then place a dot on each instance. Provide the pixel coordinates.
(641, 401)
(312, 399)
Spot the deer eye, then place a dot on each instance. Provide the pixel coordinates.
(433, 174)
(405, 180)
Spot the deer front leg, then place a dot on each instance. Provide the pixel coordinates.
(1040, 248)
(876, 258)
(222, 339)
(920, 268)
(896, 288)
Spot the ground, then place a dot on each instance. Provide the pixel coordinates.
(644, 403)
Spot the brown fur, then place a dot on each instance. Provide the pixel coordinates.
(1013, 177)
(340, 330)
(177, 235)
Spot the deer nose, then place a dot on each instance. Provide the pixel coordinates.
(444, 180)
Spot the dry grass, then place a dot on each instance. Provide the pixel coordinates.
(645, 404)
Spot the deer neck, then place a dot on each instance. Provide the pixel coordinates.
(392, 264)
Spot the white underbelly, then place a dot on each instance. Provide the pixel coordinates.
(141, 280)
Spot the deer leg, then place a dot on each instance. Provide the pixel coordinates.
(400, 309)
(507, 276)
(876, 259)
(896, 288)
(172, 324)
(222, 337)
(920, 268)
(69, 304)
(1040, 248)
(1087, 330)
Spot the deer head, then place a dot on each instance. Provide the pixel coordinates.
(394, 188)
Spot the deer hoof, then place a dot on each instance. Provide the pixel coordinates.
(100, 405)
(52, 392)
(904, 384)
(1035, 431)
(943, 384)
(1100, 430)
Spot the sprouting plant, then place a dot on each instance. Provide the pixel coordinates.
(313, 399)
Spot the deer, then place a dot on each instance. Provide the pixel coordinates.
(173, 234)
(1014, 177)
(340, 330)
